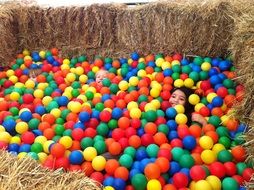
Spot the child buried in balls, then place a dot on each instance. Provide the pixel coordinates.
(33, 73)
(100, 75)
(181, 96)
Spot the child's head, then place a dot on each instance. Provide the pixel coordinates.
(180, 96)
(100, 75)
(33, 73)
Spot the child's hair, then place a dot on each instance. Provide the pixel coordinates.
(33, 73)
(189, 108)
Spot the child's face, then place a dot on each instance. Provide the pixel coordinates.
(100, 75)
(177, 97)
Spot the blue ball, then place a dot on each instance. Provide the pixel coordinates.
(241, 127)
(215, 79)
(26, 116)
(40, 110)
(50, 59)
(225, 65)
(171, 113)
(9, 125)
(123, 61)
(13, 147)
(62, 101)
(133, 172)
(25, 148)
(144, 163)
(55, 63)
(119, 184)
(116, 113)
(213, 71)
(37, 132)
(172, 135)
(105, 97)
(76, 157)
(186, 171)
(174, 168)
(107, 66)
(135, 56)
(196, 68)
(210, 106)
(217, 101)
(222, 76)
(172, 124)
(184, 61)
(189, 142)
(79, 125)
(216, 62)
(141, 154)
(84, 116)
(108, 181)
(141, 131)
(95, 114)
(151, 64)
(167, 72)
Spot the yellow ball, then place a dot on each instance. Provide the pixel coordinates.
(21, 127)
(210, 96)
(154, 92)
(206, 142)
(82, 97)
(46, 100)
(159, 62)
(179, 108)
(141, 73)
(217, 148)
(198, 106)
(40, 139)
(68, 95)
(66, 61)
(42, 86)
(189, 83)
(149, 106)
(30, 83)
(194, 99)
(181, 118)
(27, 57)
(26, 52)
(203, 185)
(73, 70)
(178, 83)
(214, 181)
(123, 85)
(91, 89)
(208, 156)
(95, 69)
(130, 61)
(65, 67)
(15, 140)
(224, 120)
(89, 153)
(132, 105)
(56, 112)
(2, 129)
(133, 81)
(46, 145)
(205, 66)
(75, 107)
(79, 70)
(14, 96)
(22, 155)
(70, 77)
(66, 141)
(19, 85)
(42, 54)
(10, 73)
(99, 163)
(175, 62)
(166, 65)
(108, 188)
(153, 184)
(38, 93)
(135, 113)
(42, 157)
(13, 79)
(5, 137)
(156, 103)
(83, 78)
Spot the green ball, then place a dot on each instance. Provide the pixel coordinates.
(59, 129)
(231, 91)
(141, 66)
(214, 120)
(112, 124)
(203, 75)
(126, 160)
(150, 115)
(208, 59)
(15, 66)
(239, 138)
(19, 61)
(108, 60)
(186, 161)
(225, 141)
(160, 113)
(90, 75)
(73, 61)
(131, 88)
(163, 128)
(89, 95)
(186, 69)
(36, 147)
(86, 142)
(157, 69)
(139, 181)
(240, 166)
(57, 138)
(82, 58)
(229, 183)
(152, 150)
(175, 76)
(33, 155)
(143, 122)
(224, 156)
(75, 93)
(65, 113)
(130, 151)
(67, 132)
(50, 78)
(52, 105)
(222, 131)
(113, 88)
(98, 138)
(124, 72)
(33, 123)
(48, 53)
(204, 100)
(142, 98)
(228, 83)
(113, 70)
(76, 85)
(14, 111)
(177, 153)
(198, 60)
(194, 76)
(100, 146)
(99, 106)
(176, 69)
(60, 121)
(29, 91)
(102, 129)
(106, 82)
(159, 55)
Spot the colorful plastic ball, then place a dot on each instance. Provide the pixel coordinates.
(206, 142)
(179, 108)
(203, 184)
(139, 181)
(189, 142)
(126, 160)
(217, 101)
(154, 184)
(179, 83)
(218, 169)
(26, 116)
(224, 156)
(180, 180)
(66, 141)
(57, 150)
(177, 153)
(135, 113)
(14, 96)
(181, 118)
(214, 182)
(76, 157)
(229, 183)
(171, 113)
(208, 156)
(194, 99)
(197, 173)
(99, 163)
(189, 83)
(119, 183)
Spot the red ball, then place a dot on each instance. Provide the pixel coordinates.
(197, 173)
(92, 123)
(135, 123)
(118, 133)
(28, 137)
(176, 143)
(105, 116)
(62, 162)
(57, 150)
(205, 85)
(124, 142)
(90, 132)
(247, 173)
(204, 111)
(3, 145)
(7, 84)
(147, 139)
(166, 153)
(218, 169)
(239, 179)
(184, 76)
(183, 132)
(165, 95)
(160, 120)
(130, 132)
(28, 98)
(77, 134)
(180, 180)
(18, 72)
(222, 91)
(177, 56)
(230, 168)
(97, 176)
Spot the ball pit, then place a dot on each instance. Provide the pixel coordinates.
(65, 119)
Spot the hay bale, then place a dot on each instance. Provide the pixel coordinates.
(26, 174)
(185, 26)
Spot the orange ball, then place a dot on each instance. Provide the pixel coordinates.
(72, 117)
(152, 171)
(116, 64)
(150, 128)
(208, 127)
(121, 172)
(49, 133)
(239, 153)
(124, 122)
(115, 148)
(169, 187)
(109, 104)
(49, 118)
(232, 124)
(163, 164)
(43, 125)
(229, 100)
(134, 141)
(195, 130)
(217, 111)
(159, 77)
(144, 91)
(213, 135)
(75, 146)
(57, 150)
(87, 168)
(160, 138)
(121, 104)
(111, 166)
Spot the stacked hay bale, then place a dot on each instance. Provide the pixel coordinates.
(205, 28)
